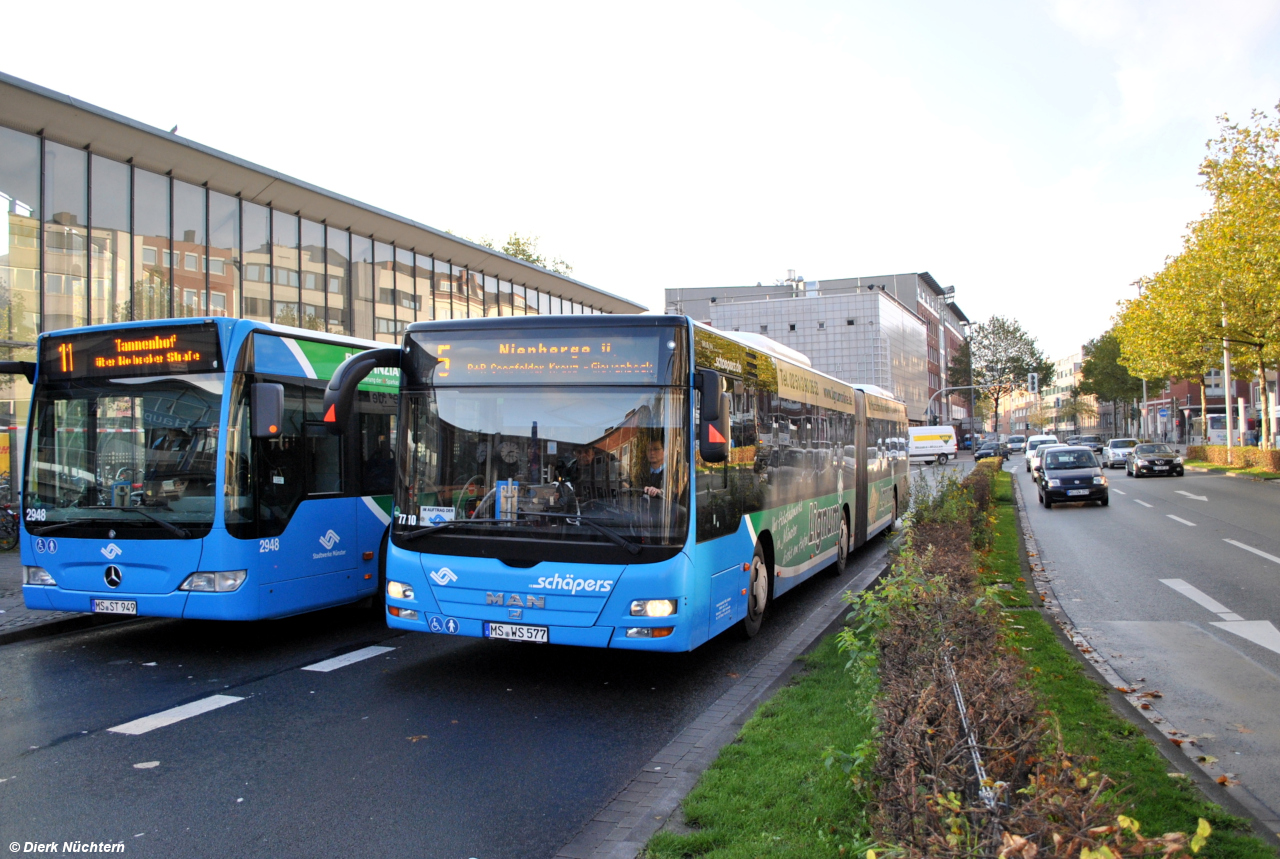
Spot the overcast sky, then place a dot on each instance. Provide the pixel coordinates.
(1040, 156)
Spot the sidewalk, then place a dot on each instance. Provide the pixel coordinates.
(17, 622)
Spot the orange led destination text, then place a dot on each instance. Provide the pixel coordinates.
(151, 351)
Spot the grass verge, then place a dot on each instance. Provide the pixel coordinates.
(769, 793)
(1251, 472)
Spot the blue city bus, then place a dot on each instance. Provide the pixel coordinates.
(181, 468)
(640, 482)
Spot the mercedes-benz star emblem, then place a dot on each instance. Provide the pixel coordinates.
(112, 576)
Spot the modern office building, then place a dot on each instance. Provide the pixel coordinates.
(109, 220)
(896, 331)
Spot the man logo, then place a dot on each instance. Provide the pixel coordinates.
(112, 551)
(443, 576)
(113, 576)
(330, 539)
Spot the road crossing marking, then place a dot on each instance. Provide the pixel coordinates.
(1143, 503)
(1119, 492)
(1196, 497)
(1249, 548)
(176, 714)
(1196, 594)
(1178, 519)
(348, 658)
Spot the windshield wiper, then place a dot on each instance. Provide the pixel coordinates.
(99, 520)
(612, 535)
(168, 526)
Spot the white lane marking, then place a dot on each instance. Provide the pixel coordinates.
(348, 658)
(1260, 632)
(1196, 497)
(1119, 491)
(177, 714)
(1143, 503)
(1249, 548)
(1196, 594)
(1179, 519)
(1229, 615)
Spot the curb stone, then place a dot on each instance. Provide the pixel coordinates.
(623, 827)
(1268, 481)
(1237, 798)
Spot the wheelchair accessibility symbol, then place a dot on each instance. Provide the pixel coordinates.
(443, 624)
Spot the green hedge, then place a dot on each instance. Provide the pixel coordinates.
(1246, 457)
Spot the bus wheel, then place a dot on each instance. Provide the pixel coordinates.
(379, 605)
(757, 594)
(842, 548)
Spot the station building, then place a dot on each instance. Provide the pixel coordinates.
(110, 220)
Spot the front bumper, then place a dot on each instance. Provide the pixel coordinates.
(1174, 470)
(1061, 494)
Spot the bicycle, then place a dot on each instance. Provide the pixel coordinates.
(8, 527)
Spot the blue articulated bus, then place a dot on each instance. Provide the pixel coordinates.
(639, 482)
(182, 468)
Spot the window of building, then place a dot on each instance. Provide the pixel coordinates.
(791, 326)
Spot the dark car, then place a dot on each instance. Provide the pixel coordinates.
(1070, 474)
(1093, 442)
(1153, 459)
(991, 448)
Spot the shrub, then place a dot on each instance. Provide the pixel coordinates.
(1246, 457)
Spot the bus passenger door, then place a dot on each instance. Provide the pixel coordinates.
(860, 443)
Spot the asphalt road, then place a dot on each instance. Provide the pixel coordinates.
(1177, 585)
(439, 747)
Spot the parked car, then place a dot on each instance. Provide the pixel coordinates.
(1071, 473)
(1153, 459)
(1034, 442)
(1017, 443)
(1116, 452)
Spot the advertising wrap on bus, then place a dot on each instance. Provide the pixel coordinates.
(635, 482)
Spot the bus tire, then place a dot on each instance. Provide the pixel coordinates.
(759, 589)
(842, 546)
(378, 605)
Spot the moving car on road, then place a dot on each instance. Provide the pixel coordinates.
(1116, 452)
(1153, 459)
(1033, 443)
(990, 449)
(1071, 473)
(1093, 442)
(1017, 443)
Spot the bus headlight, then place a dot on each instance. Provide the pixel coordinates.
(36, 576)
(399, 591)
(650, 631)
(653, 608)
(220, 582)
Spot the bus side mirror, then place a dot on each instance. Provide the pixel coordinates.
(19, 368)
(713, 433)
(340, 393)
(266, 409)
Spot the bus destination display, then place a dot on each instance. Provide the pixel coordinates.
(153, 351)
(639, 357)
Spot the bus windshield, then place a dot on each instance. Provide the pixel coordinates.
(134, 455)
(533, 470)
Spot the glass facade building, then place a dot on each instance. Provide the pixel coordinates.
(92, 234)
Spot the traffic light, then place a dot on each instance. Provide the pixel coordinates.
(1033, 383)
